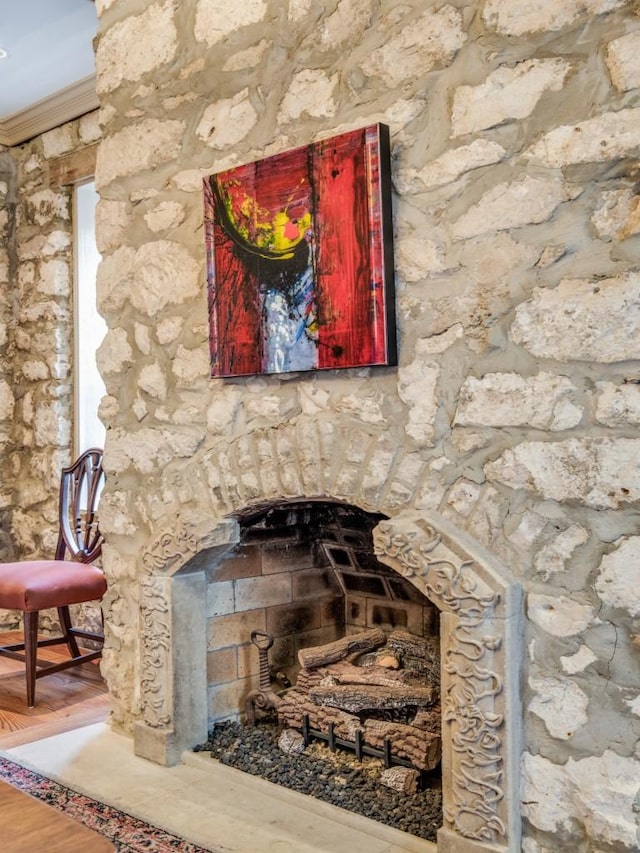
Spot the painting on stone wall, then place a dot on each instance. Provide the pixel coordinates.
(300, 260)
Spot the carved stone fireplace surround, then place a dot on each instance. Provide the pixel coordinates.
(481, 653)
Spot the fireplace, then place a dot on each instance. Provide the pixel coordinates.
(439, 574)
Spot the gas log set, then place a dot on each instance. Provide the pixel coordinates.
(374, 693)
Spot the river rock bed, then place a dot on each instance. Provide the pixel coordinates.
(336, 778)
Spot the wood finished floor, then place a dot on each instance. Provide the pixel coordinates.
(64, 701)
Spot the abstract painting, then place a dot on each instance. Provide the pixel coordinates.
(300, 259)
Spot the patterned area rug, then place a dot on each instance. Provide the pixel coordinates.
(128, 834)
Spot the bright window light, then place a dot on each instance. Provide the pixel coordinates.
(90, 328)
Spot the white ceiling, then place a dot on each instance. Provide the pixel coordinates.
(49, 46)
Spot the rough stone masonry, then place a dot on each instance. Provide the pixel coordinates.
(514, 411)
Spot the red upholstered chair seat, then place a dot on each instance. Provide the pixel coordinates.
(41, 584)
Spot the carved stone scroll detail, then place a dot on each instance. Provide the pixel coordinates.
(155, 641)
(472, 663)
(170, 550)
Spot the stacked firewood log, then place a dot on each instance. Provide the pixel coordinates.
(386, 686)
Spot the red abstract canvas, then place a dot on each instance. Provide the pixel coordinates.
(299, 259)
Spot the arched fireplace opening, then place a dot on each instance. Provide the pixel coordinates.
(304, 573)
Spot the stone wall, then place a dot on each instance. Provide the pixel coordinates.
(7, 402)
(514, 410)
(36, 335)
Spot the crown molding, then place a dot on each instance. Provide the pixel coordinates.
(62, 106)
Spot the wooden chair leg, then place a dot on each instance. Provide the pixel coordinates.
(65, 622)
(31, 619)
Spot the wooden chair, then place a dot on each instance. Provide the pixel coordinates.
(35, 585)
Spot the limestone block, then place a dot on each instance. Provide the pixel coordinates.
(113, 280)
(115, 516)
(32, 164)
(607, 137)
(26, 273)
(366, 408)
(179, 100)
(45, 245)
(163, 273)
(416, 257)
(47, 311)
(152, 380)
(463, 496)
(417, 388)
(544, 401)
(508, 93)
(7, 401)
(622, 61)
(45, 206)
(618, 217)
(28, 408)
(554, 556)
(191, 364)
(559, 615)
(141, 410)
(529, 527)
(311, 91)
(299, 8)
(313, 398)
(270, 407)
(3, 333)
(618, 580)
(578, 662)
(248, 58)
(228, 121)
(55, 278)
(217, 19)
(112, 221)
(168, 329)
(189, 180)
(136, 148)
(634, 705)
(348, 22)
(512, 205)
(455, 162)
(89, 129)
(142, 337)
(144, 449)
(33, 370)
(582, 320)
(108, 410)
(168, 214)
(595, 471)
(596, 795)
(560, 703)
(51, 426)
(430, 41)
(618, 405)
(114, 353)
(516, 17)
(58, 141)
(125, 52)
